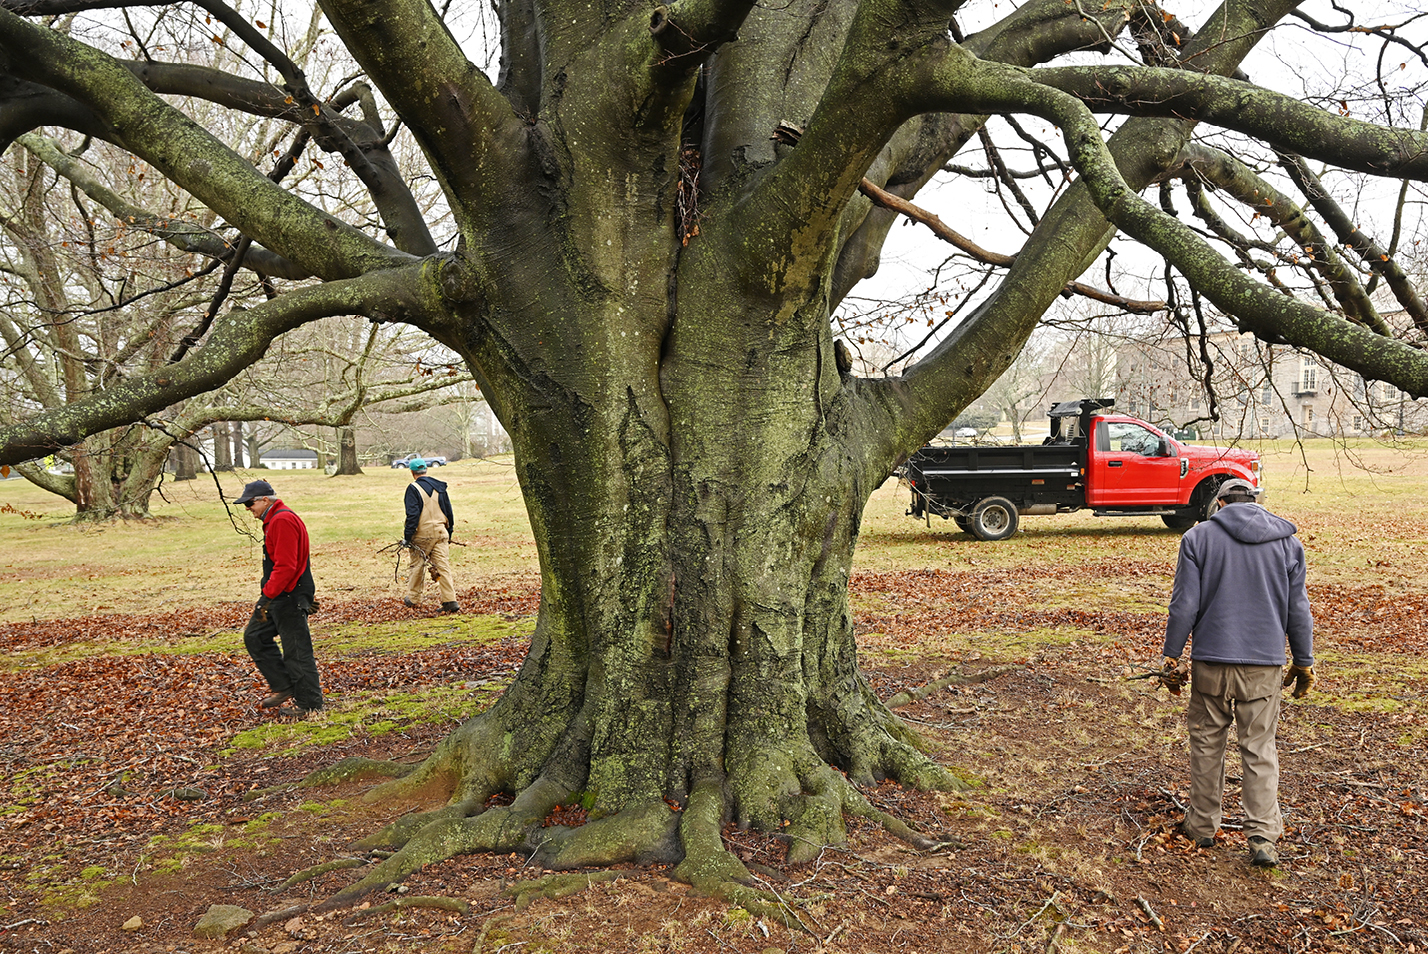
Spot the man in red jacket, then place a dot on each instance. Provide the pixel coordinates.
(282, 609)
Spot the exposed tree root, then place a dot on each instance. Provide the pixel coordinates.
(307, 874)
(351, 769)
(782, 783)
(559, 885)
(958, 678)
(355, 768)
(712, 870)
(414, 901)
(272, 917)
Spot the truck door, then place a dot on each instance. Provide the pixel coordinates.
(1131, 465)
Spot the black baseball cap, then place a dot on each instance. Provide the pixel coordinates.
(254, 489)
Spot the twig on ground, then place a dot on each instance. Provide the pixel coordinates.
(1203, 938)
(1150, 912)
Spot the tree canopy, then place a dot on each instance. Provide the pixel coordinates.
(647, 218)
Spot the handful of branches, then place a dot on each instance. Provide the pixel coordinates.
(1171, 676)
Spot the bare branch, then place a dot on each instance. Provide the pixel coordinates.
(238, 340)
(1234, 177)
(193, 158)
(1356, 238)
(181, 234)
(942, 231)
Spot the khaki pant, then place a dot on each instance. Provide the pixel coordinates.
(1248, 696)
(438, 563)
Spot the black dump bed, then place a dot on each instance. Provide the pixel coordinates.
(948, 480)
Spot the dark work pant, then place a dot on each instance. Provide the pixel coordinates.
(293, 668)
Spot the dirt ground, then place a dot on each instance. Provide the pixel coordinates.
(130, 813)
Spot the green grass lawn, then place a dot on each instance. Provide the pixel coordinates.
(1361, 508)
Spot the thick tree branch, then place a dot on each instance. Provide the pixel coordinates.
(1066, 242)
(360, 143)
(688, 32)
(1032, 33)
(1377, 257)
(1285, 122)
(1253, 306)
(25, 106)
(800, 202)
(1235, 178)
(192, 158)
(237, 341)
(455, 113)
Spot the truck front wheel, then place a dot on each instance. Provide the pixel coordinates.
(1179, 521)
(994, 518)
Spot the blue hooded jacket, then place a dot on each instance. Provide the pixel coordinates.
(1239, 587)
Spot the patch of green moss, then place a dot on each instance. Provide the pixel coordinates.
(369, 714)
(396, 637)
(322, 808)
(58, 892)
(404, 636)
(226, 643)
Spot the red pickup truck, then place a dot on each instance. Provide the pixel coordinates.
(1114, 464)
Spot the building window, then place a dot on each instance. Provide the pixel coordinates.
(1308, 373)
(1358, 422)
(1266, 394)
(1264, 425)
(1308, 414)
(1389, 391)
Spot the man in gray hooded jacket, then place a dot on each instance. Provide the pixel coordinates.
(1239, 587)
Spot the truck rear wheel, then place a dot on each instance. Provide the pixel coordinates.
(994, 518)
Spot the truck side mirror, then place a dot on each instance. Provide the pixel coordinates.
(1163, 448)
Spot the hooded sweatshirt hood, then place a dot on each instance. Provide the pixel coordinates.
(1251, 523)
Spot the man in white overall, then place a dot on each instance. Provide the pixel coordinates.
(428, 533)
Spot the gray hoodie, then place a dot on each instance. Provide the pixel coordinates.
(1239, 587)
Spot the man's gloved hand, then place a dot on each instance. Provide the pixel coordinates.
(261, 607)
(1302, 678)
(1172, 677)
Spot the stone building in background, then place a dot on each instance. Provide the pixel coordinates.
(1262, 391)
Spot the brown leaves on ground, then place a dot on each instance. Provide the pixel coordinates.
(1068, 846)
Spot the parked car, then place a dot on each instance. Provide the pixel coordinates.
(402, 462)
(1113, 464)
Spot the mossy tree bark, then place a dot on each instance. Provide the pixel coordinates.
(642, 288)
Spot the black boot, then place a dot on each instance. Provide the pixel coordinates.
(450, 608)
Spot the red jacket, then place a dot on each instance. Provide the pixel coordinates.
(285, 550)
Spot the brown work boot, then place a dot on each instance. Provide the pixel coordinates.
(1201, 841)
(410, 604)
(1262, 853)
(276, 699)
